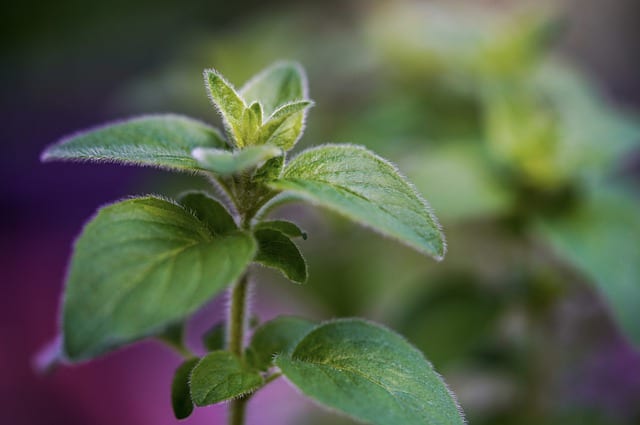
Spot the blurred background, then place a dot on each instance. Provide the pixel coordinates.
(515, 120)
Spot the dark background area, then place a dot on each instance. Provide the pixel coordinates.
(65, 66)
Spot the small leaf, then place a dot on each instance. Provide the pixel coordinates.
(288, 228)
(173, 335)
(180, 395)
(230, 105)
(280, 86)
(215, 337)
(163, 141)
(284, 127)
(367, 189)
(276, 250)
(281, 83)
(252, 124)
(221, 376)
(225, 163)
(277, 336)
(209, 211)
(371, 374)
(271, 170)
(140, 265)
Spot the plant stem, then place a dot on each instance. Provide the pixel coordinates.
(237, 316)
(237, 411)
(235, 343)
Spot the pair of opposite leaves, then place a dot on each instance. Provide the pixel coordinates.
(143, 264)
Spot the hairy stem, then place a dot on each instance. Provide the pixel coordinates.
(235, 343)
(237, 410)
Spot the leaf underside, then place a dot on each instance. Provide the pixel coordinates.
(276, 250)
(140, 265)
(371, 374)
(163, 141)
(367, 189)
(180, 394)
(225, 162)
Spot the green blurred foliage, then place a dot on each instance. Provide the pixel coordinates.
(516, 150)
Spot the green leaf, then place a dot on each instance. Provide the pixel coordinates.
(180, 395)
(371, 374)
(173, 336)
(225, 163)
(163, 141)
(221, 376)
(271, 170)
(277, 336)
(282, 91)
(288, 228)
(285, 126)
(140, 265)
(252, 124)
(276, 250)
(215, 337)
(601, 239)
(209, 211)
(280, 83)
(360, 185)
(230, 105)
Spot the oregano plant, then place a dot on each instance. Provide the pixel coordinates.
(142, 266)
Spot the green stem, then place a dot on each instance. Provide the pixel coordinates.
(237, 410)
(237, 315)
(235, 343)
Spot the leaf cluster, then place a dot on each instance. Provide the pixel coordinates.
(142, 266)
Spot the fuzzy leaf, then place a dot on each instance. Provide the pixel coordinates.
(163, 141)
(288, 228)
(224, 162)
(602, 239)
(221, 376)
(252, 124)
(271, 170)
(140, 265)
(360, 185)
(180, 395)
(277, 336)
(276, 250)
(214, 338)
(371, 374)
(230, 105)
(281, 83)
(209, 211)
(284, 127)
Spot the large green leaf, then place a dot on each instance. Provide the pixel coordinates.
(602, 239)
(276, 337)
(180, 393)
(163, 141)
(281, 83)
(371, 374)
(221, 376)
(225, 162)
(140, 265)
(360, 185)
(276, 250)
